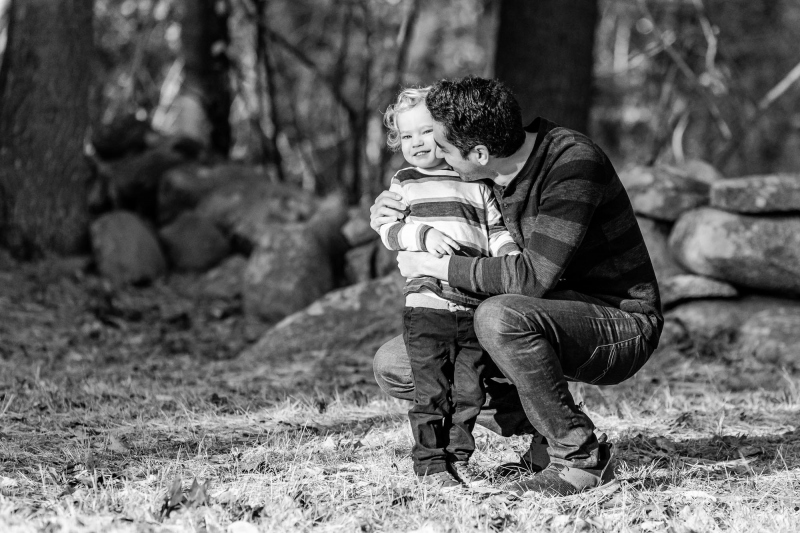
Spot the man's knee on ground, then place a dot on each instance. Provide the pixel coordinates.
(392, 377)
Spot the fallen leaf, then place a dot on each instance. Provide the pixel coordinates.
(241, 526)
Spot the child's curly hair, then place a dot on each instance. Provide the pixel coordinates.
(408, 98)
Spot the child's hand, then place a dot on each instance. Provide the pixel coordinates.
(440, 244)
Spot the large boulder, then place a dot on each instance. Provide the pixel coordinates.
(656, 237)
(331, 343)
(126, 249)
(664, 192)
(771, 337)
(248, 204)
(287, 271)
(194, 243)
(758, 194)
(756, 252)
(704, 320)
(294, 264)
(685, 287)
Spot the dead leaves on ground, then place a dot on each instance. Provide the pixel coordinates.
(176, 499)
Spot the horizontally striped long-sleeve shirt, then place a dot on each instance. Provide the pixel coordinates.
(570, 214)
(465, 212)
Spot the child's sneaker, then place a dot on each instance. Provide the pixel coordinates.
(440, 480)
(462, 471)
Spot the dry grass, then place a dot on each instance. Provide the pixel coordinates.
(95, 443)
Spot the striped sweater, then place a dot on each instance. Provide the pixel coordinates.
(572, 218)
(465, 212)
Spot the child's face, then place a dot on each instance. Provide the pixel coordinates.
(416, 137)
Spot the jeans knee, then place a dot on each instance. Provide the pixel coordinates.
(393, 377)
(501, 318)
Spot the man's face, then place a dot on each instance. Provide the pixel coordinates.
(468, 169)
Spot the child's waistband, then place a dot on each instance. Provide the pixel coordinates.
(431, 301)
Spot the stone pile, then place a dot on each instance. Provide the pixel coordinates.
(727, 256)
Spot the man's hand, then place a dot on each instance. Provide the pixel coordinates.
(440, 244)
(418, 264)
(386, 209)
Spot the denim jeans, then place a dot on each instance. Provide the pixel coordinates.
(446, 363)
(537, 345)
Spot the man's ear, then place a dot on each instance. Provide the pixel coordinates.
(479, 154)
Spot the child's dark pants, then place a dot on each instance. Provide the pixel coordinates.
(447, 363)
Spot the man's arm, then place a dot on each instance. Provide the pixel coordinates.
(571, 192)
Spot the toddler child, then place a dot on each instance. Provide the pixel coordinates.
(445, 216)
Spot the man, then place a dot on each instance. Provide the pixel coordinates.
(580, 303)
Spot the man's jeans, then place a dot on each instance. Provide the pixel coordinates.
(538, 344)
(446, 364)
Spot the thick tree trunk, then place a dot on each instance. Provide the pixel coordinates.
(545, 54)
(205, 40)
(44, 117)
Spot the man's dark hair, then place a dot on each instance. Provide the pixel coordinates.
(477, 111)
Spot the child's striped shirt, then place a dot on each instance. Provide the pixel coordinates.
(467, 212)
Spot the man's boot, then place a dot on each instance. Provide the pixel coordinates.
(532, 461)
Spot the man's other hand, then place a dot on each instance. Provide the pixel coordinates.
(418, 264)
(386, 209)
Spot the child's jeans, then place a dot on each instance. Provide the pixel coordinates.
(447, 363)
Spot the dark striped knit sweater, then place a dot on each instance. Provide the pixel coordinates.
(570, 215)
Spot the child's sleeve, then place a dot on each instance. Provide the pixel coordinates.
(500, 241)
(404, 234)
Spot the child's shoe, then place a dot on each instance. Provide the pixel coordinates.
(462, 471)
(440, 480)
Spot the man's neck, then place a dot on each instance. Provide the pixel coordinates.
(507, 168)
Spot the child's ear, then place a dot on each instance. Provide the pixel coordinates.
(479, 154)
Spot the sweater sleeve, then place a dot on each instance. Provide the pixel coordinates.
(404, 234)
(571, 192)
(500, 240)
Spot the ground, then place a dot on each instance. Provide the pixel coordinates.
(114, 417)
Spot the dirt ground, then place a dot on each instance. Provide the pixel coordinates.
(113, 416)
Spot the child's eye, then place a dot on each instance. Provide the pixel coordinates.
(405, 136)
(426, 132)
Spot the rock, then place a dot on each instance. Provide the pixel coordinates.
(124, 135)
(708, 319)
(333, 341)
(132, 183)
(183, 187)
(126, 249)
(656, 235)
(194, 243)
(756, 252)
(684, 287)
(225, 280)
(360, 263)
(287, 271)
(758, 194)
(385, 261)
(699, 170)
(663, 192)
(246, 205)
(357, 230)
(771, 337)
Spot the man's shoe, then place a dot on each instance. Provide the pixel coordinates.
(462, 472)
(440, 480)
(531, 462)
(562, 480)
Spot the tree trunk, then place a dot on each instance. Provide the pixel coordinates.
(205, 40)
(44, 117)
(545, 55)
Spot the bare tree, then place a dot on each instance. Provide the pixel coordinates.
(205, 40)
(545, 54)
(44, 116)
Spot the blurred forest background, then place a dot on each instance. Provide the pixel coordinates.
(299, 86)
